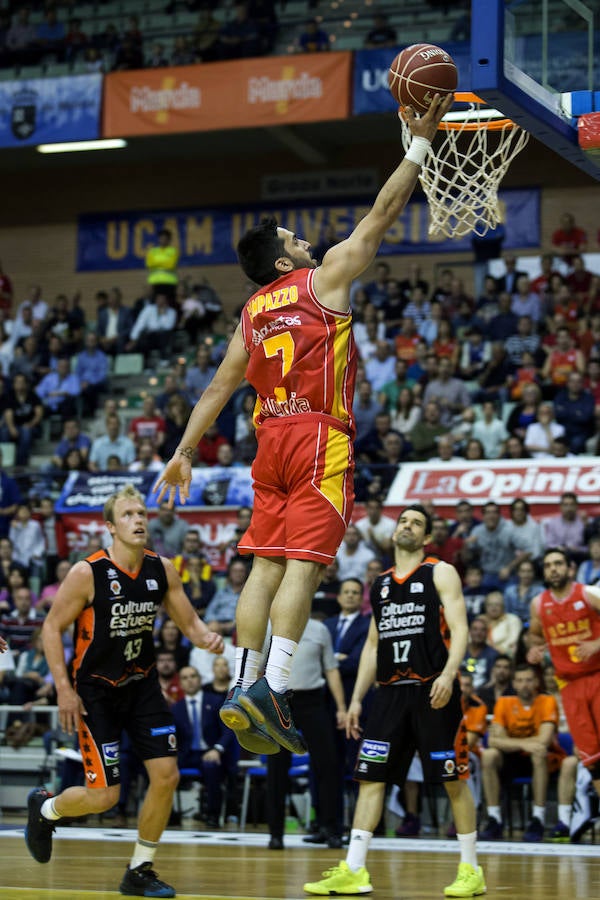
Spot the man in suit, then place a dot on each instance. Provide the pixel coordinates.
(114, 324)
(348, 634)
(204, 742)
(508, 281)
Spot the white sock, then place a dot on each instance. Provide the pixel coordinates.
(564, 813)
(247, 664)
(279, 663)
(358, 848)
(539, 812)
(144, 851)
(494, 813)
(468, 849)
(48, 810)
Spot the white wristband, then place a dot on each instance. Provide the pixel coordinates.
(418, 150)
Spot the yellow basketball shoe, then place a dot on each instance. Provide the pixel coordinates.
(469, 882)
(341, 880)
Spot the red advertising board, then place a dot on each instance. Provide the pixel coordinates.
(216, 527)
(539, 481)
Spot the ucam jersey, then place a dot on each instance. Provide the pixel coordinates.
(413, 634)
(113, 640)
(565, 623)
(302, 354)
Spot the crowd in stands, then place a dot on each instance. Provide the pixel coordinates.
(512, 373)
(33, 34)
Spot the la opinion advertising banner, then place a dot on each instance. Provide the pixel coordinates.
(539, 481)
(50, 110)
(248, 93)
(119, 240)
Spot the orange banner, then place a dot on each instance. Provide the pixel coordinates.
(245, 93)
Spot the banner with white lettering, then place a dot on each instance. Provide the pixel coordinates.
(50, 110)
(88, 492)
(212, 486)
(540, 482)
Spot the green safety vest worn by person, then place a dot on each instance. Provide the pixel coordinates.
(161, 263)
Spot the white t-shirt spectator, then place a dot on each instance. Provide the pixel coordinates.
(353, 565)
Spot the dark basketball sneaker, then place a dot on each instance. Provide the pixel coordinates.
(272, 710)
(251, 737)
(144, 882)
(38, 831)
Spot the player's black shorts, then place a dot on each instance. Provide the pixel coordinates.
(138, 708)
(402, 721)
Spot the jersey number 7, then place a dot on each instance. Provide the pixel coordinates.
(281, 343)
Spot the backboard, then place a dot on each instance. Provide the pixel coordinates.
(528, 57)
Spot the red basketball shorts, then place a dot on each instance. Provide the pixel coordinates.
(581, 702)
(303, 489)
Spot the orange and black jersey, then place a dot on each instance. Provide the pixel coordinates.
(413, 634)
(113, 634)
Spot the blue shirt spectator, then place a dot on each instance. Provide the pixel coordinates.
(111, 444)
(92, 363)
(72, 439)
(199, 376)
(57, 389)
(313, 39)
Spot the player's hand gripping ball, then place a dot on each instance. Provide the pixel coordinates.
(419, 72)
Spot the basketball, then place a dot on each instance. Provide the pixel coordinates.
(419, 72)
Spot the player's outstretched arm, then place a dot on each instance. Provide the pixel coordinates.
(3, 644)
(179, 608)
(178, 471)
(346, 260)
(71, 598)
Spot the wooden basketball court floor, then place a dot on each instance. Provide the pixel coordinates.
(88, 864)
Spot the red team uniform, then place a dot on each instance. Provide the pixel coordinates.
(303, 368)
(565, 622)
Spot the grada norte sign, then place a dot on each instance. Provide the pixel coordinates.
(540, 482)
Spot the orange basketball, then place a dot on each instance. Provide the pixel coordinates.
(419, 72)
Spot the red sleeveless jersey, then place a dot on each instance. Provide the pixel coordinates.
(565, 623)
(302, 355)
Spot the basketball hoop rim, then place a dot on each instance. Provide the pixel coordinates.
(498, 124)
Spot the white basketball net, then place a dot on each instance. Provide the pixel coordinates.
(462, 175)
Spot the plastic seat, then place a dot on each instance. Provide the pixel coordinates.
(192, 774)
(299, 770)
(129, 364)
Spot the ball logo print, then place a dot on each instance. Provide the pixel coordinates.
(419, 72)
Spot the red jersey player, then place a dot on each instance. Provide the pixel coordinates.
(294, 344)
(565, 621)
